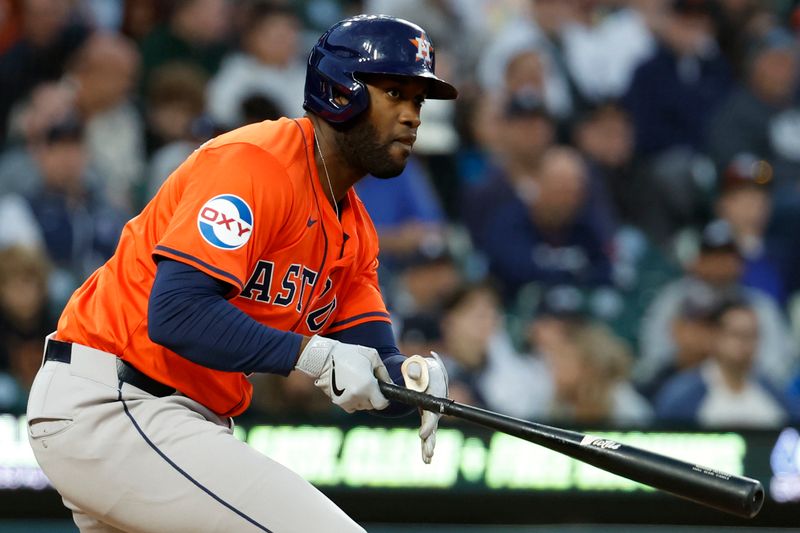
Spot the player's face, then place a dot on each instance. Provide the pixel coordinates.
(381, 141)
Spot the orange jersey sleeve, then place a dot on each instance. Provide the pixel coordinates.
(234, 201)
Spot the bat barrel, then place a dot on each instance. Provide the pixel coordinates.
(726, 492)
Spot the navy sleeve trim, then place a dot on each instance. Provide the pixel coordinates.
(212, 268)
(187, 313)
(359, 317)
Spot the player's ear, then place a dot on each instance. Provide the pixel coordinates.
(338, 98)
(341, 100)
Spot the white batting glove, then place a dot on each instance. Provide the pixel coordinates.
(347, 373)
(414, 375)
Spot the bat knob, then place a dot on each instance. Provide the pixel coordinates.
(415, 378)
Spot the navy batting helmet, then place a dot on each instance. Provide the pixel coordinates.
(366, 44)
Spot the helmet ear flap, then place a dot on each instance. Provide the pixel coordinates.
(337, 97)
(332, 90)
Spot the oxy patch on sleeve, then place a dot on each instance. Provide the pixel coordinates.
(225, 222)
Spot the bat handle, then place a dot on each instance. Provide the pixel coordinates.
(427, 402)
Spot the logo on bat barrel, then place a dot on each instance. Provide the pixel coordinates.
(597, 442)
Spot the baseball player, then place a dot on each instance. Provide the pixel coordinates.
(255, 256)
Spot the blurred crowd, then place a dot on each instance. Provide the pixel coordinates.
(604, 229)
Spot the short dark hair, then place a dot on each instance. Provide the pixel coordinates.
(700, 304)
(696, 7)
(258, 107)
(524, 104)
(735, 300)
(173, 7)
(177, 82)
(601, 109)
(461, 294)
(68, 129)
(718, 236)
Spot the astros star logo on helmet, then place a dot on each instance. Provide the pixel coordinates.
(424, 48)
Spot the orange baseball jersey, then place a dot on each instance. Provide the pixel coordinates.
(247, 208)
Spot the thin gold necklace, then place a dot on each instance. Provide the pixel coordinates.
(327, 176)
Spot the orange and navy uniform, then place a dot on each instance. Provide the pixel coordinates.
(248, 209)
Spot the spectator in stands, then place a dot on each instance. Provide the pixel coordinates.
(267, 63)
(674, 93)
(419, 334)
(48, 103)
(102, 15)
(717, 269)
(417, 291)
(524, 132)
(549, 315)
(692, 335)
(17, 224)
(745, 203)
(438, 141)
(527, 53)
(175, 99)
(726, 390)
(550, 237)
(483, 367)
(142, 17)
(258, 108)
(80, 228)
(526, 74)
(174, 114)
(104, 72)
(25, 319)
(10, 23)
(603, 47)
(195, 33)
(793, 395)
(177, 124)
(49, 36)
(639, 270)
(741, 22)
(589, 368)
(604, 135)
(759, 116)
(406, 212)
(671, 100)
(500, 120)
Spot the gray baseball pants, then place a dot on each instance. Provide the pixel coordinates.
(124, 460)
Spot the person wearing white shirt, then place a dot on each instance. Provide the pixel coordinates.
(268, 65)
(726, 391)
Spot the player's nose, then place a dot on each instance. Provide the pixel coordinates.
(409, 115)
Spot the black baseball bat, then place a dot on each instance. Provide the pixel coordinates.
(737, 495)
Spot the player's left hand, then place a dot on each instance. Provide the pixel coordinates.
(436, 384)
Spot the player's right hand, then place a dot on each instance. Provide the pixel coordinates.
(430, 379)
(347, 373)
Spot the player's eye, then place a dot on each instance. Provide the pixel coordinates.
(420, 100)
(393, 93)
